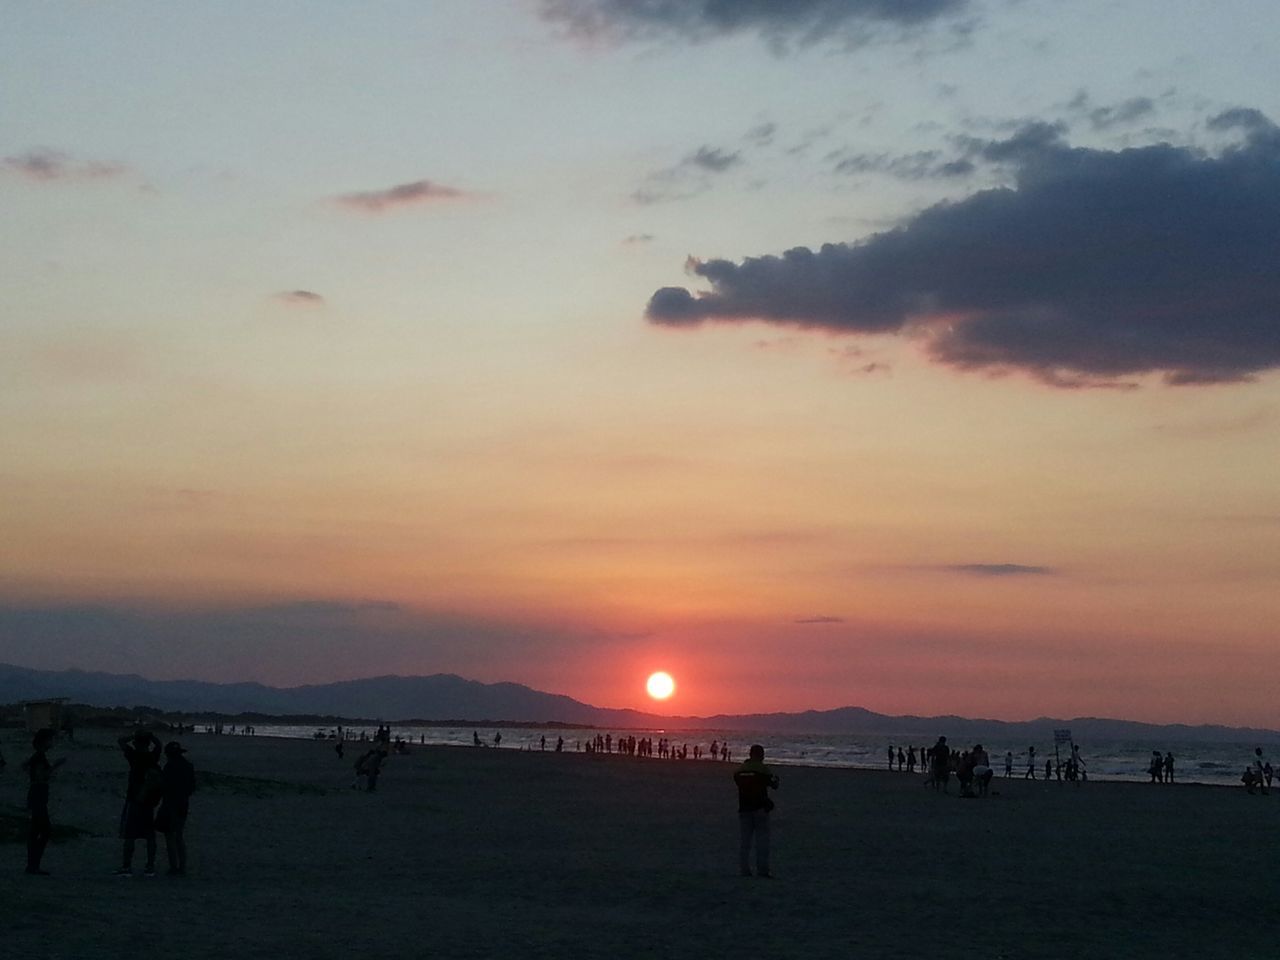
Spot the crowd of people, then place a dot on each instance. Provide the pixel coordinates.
(973, 767)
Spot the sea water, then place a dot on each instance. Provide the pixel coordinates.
(1194, 761)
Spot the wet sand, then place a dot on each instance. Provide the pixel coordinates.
(499, 853)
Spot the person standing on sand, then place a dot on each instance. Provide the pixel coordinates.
(754, 780)
(39, 773)
(1008, 764)
(1031, 764)
(177, 783)
(1168, 768)
(142, 752)
(940, 764)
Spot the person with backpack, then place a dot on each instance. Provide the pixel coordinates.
(177, 783)
(137, 819)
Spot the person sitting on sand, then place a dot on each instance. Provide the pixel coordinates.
(142, 793)
(754, 780)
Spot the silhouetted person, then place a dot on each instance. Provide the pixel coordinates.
(497, 738)
(1260, 765)
(1157, 767)
(893, 755)
(940, 764)
(177, 783)
(754, 781)
(1168, 768)
(911, 759)
(369, 766)
(982, 772)
(39, 772)
(142, 752)
(1008, 764)
(902, 759)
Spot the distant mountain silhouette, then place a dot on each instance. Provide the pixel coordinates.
(448, 697)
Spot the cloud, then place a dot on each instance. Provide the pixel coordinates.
(49, 165)
(779, 22)
(920, 165)
(820, 620)
(1113, 115)
(688, 178)
(299, 298)
(1090, 267)
(761, 135)
(402, 195)
(1000, 570)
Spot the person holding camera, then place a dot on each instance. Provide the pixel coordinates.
(754, 781)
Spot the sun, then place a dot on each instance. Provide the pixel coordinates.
(660, 685)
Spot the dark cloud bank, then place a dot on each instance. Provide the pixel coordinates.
(1092, 266)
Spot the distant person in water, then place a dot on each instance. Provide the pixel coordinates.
(39, 772)
(177, 783)
(142, 793)
(754, 781)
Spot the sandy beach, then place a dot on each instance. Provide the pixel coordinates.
(468, 852)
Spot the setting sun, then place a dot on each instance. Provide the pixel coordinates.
(660, 685)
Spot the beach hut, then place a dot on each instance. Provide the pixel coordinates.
(43, 714)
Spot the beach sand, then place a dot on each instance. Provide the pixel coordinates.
(468, 852)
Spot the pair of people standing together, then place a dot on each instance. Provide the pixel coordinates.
(150, 785)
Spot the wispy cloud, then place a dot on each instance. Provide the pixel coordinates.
(688, 178)
(781, 23)
(820, 620)
(402, 195)
(46, 166)
(299, 298)
(1000, 570)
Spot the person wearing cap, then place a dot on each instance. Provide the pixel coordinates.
(754, 780)
(177, 783)
(142, 751)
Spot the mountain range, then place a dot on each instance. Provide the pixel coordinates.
(447, 697)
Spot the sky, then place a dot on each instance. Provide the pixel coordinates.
(914, 355)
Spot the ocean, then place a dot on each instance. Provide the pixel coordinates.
(1194, 761)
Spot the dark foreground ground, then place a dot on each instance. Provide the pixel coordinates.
(497, 853)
